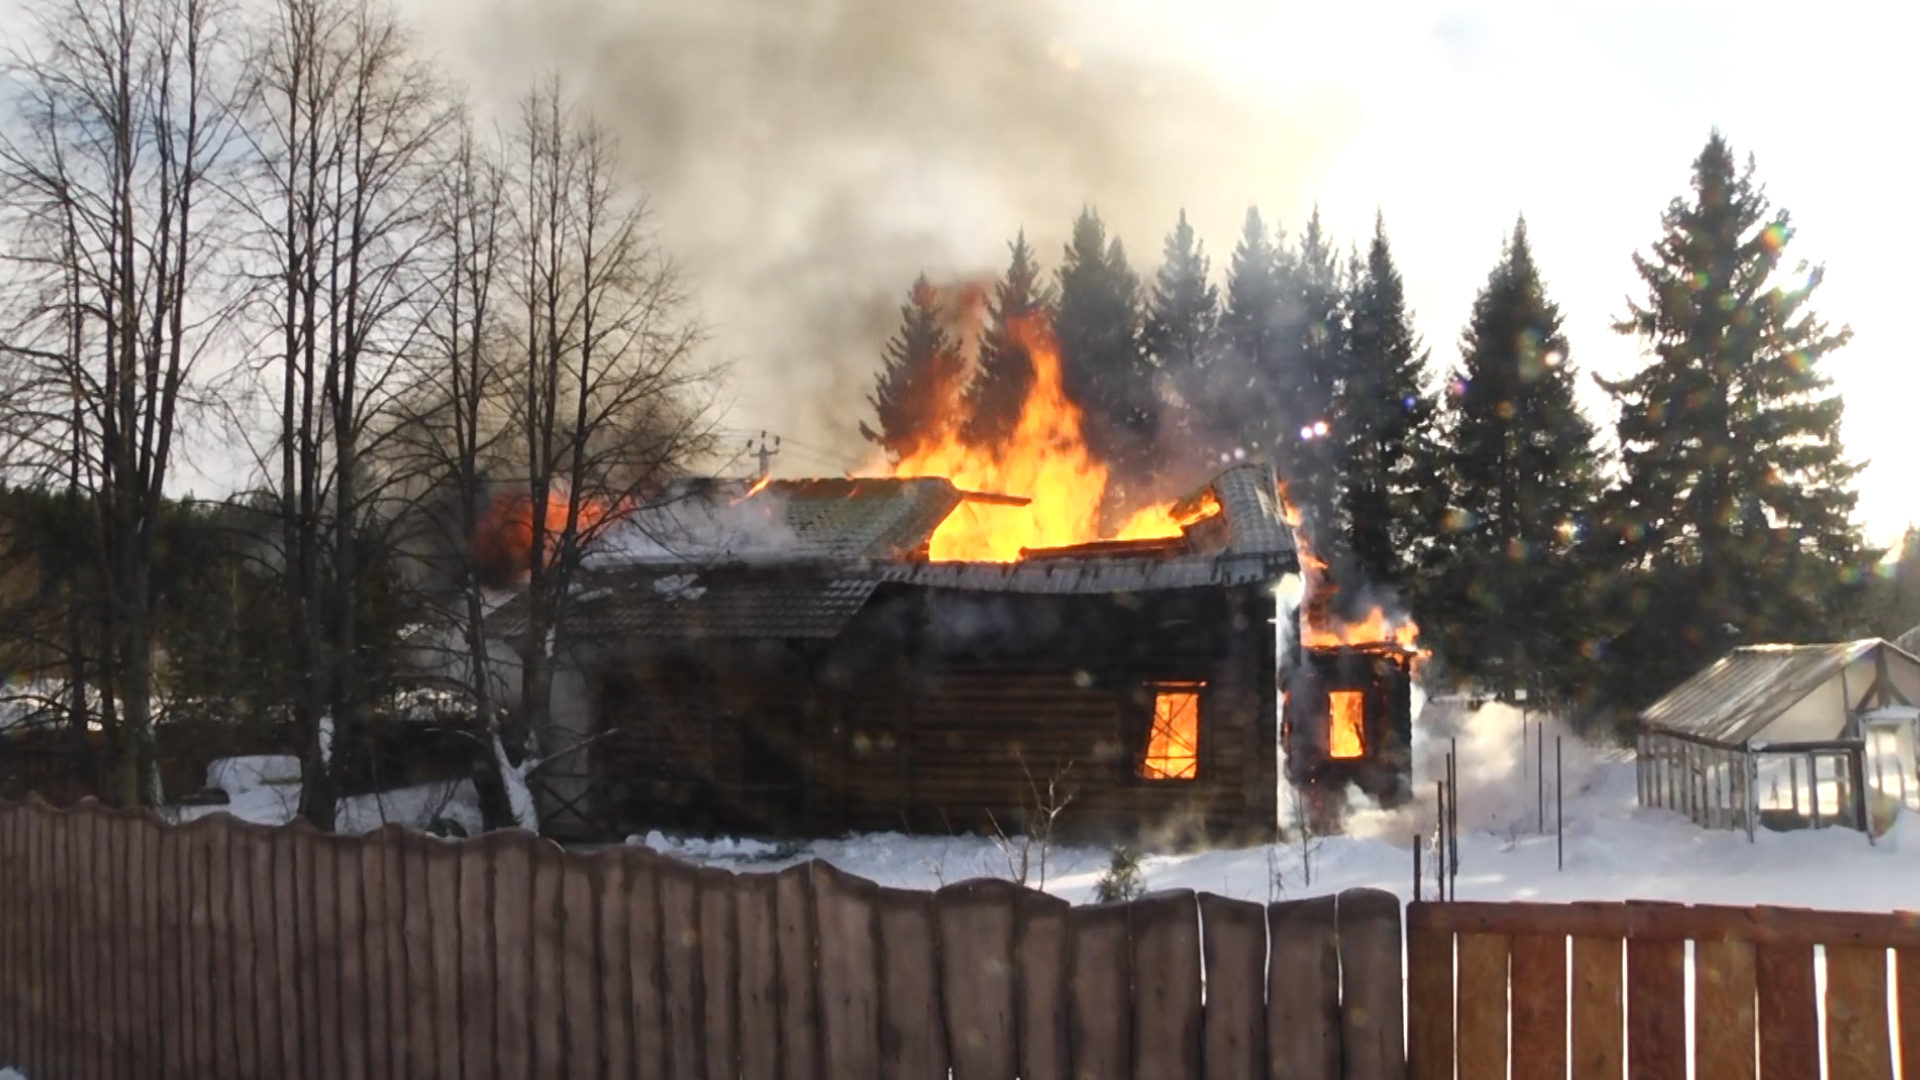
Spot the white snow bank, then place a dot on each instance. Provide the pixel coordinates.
(238, 775)
(261, 790)
(12, 1074)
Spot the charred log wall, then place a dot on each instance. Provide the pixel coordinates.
(953, 712)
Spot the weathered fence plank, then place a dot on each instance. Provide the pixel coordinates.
(618, 1016)
(1481, 1009)
(718, 974)
(1656, 1010)
(1723, 1009)
(1906, 968)
(682, 969)
(1788, 1016)
(15, 889)
(391, 1038)
(1042, 958)
(546, 962)
(173, 987)
(432, 998)
(1538, 976)
(223, 837)
(294, 1018)
(1303, 989)
(581, 959)
(1429, 997)
(646, 952)
(1099, 992)
(351, 988)
(912, 1034)
(323, 877)
(1599, 1009)
(511, 949)
(1234, 940)
(758, 941)
(87, 926)
(976, 936)
(1858, 1043)
(476, 939)
(848, 973)
(371, 1011)
(1165, 929)
(1372, 989)
(71, 1005)
(45, 928)
(243, 929)
(799, 1001)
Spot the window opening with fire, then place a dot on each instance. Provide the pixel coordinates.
(1173, 743)
(1347, 724)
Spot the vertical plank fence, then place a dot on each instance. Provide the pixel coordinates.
(130, 949)
(1599, 992)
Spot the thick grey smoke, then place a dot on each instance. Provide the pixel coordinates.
(808, 157)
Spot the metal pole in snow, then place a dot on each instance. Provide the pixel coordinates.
(1418, 843)
(1440, 838)
(1540, 774)
(1559, 810)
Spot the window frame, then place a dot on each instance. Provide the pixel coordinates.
(1152, 691)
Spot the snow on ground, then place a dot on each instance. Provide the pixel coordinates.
(265, 790)
(1614, 849)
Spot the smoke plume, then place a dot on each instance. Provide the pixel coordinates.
(808, 158)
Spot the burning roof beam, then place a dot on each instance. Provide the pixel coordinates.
(1156, 548)
(993, 499)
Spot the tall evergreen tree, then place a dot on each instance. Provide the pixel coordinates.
(1004, 375)
(1735, 510)
(921, 379)
(1523, 472)
(1387, 427)
(1181, 335)
(1311, 334)
(1104, 368)
(1241, 386)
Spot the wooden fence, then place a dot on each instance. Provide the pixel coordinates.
(218, 949)
(1622, 1008)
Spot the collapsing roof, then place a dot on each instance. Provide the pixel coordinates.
(1736, 699)
(800, 558)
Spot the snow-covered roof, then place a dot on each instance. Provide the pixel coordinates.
(801, 558)
(710, 523)
(1909, 641)
(1741, 693)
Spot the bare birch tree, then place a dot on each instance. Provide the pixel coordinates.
(345, 124)
(610, 391)
(112, 193)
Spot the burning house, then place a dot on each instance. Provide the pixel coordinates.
(961, 645)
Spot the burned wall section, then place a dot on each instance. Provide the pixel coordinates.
(952, 710)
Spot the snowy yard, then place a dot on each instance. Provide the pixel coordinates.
(1614, 849)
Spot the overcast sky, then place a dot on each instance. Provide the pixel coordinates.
(807, 157)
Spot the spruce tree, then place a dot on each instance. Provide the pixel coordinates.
(1509, 608)
(1181, 335)
(1311, 333)
(1242, 386)
(1735, 509)
(920, 380)
(1104, 368)
(1004, 375)
(1387, 427)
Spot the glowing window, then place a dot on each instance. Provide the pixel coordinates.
(1346, 724)
(1173, 745)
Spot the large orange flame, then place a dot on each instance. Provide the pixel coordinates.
(1319, 627)
(503, 538)
(1045, 460)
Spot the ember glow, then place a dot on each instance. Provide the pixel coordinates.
(1347, 727)
(1045, 460)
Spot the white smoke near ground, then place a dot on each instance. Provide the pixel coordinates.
(808, 158)
(1503, 777)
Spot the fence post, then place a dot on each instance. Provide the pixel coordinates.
(1753, 795)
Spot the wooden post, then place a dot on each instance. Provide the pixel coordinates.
(1751, 775)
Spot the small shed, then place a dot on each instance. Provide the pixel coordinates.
(1787, 736)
